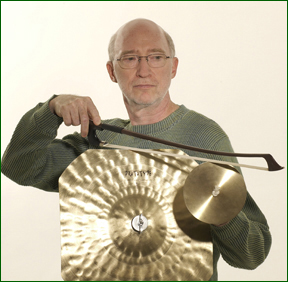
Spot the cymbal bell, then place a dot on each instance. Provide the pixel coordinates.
(214, 193)
(123, 217)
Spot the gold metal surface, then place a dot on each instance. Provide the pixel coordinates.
(214, 193)
(102, 191)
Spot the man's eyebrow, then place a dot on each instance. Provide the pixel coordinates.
(127, 52)
(154, 50)
(158, 50)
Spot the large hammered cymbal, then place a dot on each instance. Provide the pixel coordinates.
(214, 193)
(123, 217)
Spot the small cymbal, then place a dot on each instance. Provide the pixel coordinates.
(214, 193)
(123, 217)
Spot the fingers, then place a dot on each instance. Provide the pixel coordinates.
(84, 118)
(86, 114)
(74, 115)
(94, 114)
(76, 110)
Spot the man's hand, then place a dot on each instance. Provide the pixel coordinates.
(75, 110)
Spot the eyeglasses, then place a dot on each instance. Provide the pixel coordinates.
(132, 61)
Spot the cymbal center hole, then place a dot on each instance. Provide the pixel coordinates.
(216, 191)
(139, 223)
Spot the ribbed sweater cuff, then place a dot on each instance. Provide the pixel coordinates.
(46, 121)
(231, 229)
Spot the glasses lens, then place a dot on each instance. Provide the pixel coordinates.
(156, 60)
(128, 62)
(131, 61)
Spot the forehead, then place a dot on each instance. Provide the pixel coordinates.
(140, 38)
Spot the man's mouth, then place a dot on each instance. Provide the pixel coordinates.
(144, 86)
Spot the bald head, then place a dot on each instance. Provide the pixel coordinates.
(131, 28)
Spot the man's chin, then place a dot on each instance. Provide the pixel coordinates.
(144, 100)
(143, 104)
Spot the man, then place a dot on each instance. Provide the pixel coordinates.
(145, 90)
(142, 61)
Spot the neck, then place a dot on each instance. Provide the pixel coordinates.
(149, 114)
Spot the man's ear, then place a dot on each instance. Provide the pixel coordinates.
(110, 70)
(174, 67)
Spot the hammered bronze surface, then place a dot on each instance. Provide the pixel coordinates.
(102, 192)
(214, 193)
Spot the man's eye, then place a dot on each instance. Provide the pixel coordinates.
(156, 57)
(129, 59)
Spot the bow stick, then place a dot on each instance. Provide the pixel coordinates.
(94, 140)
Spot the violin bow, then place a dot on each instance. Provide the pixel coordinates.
(94, 140)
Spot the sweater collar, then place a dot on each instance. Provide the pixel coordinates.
(160, 126)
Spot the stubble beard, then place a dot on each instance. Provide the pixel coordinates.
(139, 103)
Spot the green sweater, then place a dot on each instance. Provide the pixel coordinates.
(34, 157)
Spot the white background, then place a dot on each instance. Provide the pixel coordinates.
(232, 69)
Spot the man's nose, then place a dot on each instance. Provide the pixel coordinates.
(143, 68)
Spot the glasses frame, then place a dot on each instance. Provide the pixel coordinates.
(139, 59)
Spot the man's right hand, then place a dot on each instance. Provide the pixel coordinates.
(75, 110)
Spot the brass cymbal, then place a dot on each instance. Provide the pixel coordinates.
(214, 193)
(123, 217)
